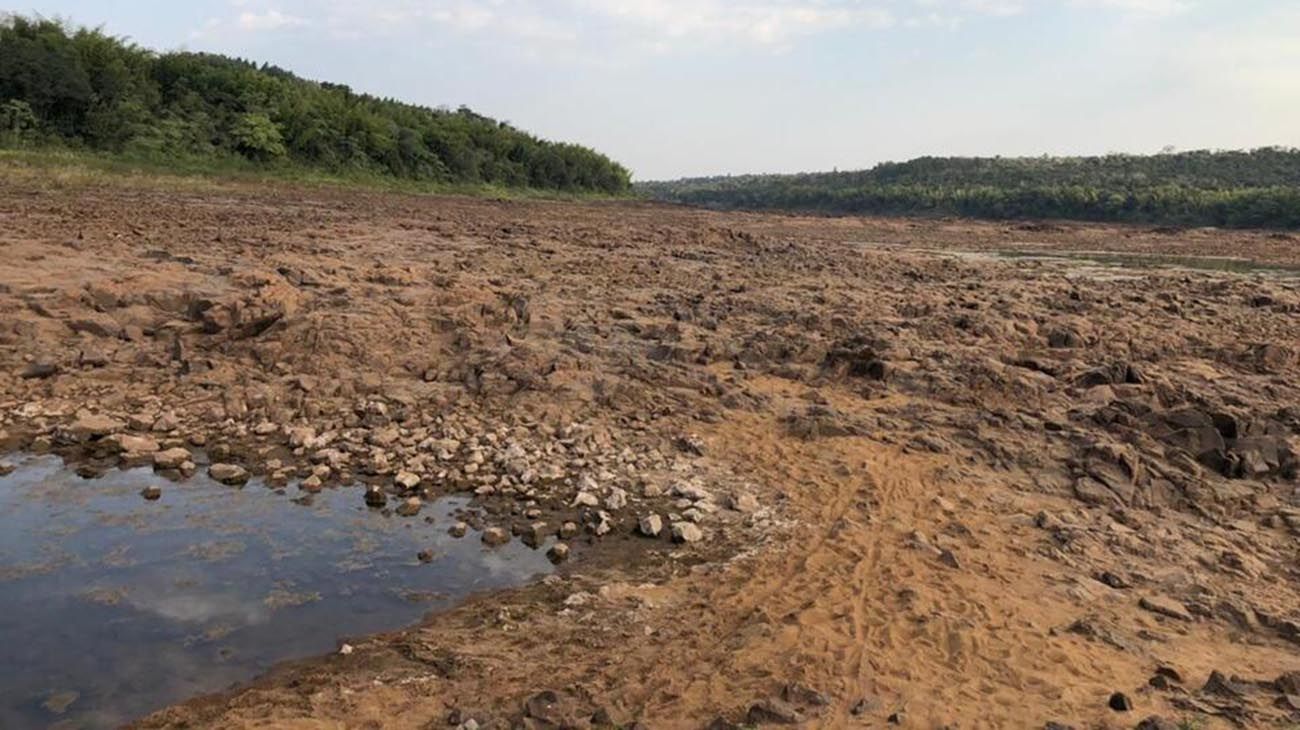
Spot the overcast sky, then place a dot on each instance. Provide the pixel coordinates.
(698, 87)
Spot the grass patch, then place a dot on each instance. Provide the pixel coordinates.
(56, 168)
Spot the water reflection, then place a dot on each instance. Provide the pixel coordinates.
(112, 606)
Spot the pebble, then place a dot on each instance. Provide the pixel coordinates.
(151, 493)
(171, 458)
(558, 553)
(459, 529)
(409, 507)
(1119, 702)
(650, 525)
(229, 474)
(686, 532)
(375, 496)
(495, 536)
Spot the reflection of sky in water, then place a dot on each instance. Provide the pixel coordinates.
(133, 605)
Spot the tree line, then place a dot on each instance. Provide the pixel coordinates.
(84, 89)
(1257, 189)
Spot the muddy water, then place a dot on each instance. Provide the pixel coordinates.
(112, 606)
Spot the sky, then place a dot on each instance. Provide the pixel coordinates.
(675, 88)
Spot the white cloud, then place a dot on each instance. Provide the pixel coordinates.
(271, 19)
(622, 27)
(762, 22)
(1146, 8)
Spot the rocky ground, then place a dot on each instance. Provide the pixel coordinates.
(828, 472)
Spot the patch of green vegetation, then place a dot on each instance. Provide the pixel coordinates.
(108, 103)
(1255, 189)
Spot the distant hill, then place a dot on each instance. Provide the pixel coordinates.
(1258, 188)
(80, 88)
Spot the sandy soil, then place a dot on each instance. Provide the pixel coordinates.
(908, 486)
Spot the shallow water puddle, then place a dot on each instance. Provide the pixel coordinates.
(112, 606)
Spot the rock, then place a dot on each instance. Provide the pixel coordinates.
(424, 556)
(568, 530)
(92, 357)
(94, 425)
(558, 553)
(799, 694)
(312, 484)
(39, 370)
(744, 503)
(586, 499)
(230, 474)
(772, 712)
(1119, 702)
(1155, 722)
(1165, 607)
(7, 468)
(407, 480)
(375, 496)
(533, 535)
(171, 458)
(151, 492)
(616, 500)
(132, 444)
(459, 529)
(650, 525)
(409, 507)
(686, 532)
(1288, 683)
(495, 536)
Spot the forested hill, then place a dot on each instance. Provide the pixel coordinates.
(83, 89)
(1259, 188)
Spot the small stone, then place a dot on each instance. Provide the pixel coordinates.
(345, 649)
(7, 468)
(558, 553)
(229, 474)
(375, 496)
(424, 556)
(1165, 607)
(460, 529)
(40, 370)
(772, 712)
(650, 525)
(686, 532)
(949, 558)
(495, 536)
(409, 507)
(744, 503)
(151, 492)
(1119, 702)
(311, 484)
(568, 530)
(133, 444)
(586, 499)
(1155, 722)
(171, 458)
(94, 425)
(534, 535)
(407, 480)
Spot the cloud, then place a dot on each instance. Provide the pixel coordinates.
(1144, 8)
(764, 22)
(271, 19)
(623, 27)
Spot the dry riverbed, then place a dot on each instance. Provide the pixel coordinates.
(829, 472)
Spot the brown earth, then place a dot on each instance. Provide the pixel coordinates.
(932, 489)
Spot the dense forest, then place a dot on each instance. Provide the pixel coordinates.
(1259, 188)
(83, 89)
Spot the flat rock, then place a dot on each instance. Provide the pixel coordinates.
(1165, 607)
(230, 474)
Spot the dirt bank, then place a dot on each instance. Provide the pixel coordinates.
(817, 471)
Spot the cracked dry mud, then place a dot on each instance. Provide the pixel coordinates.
(811, 471)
